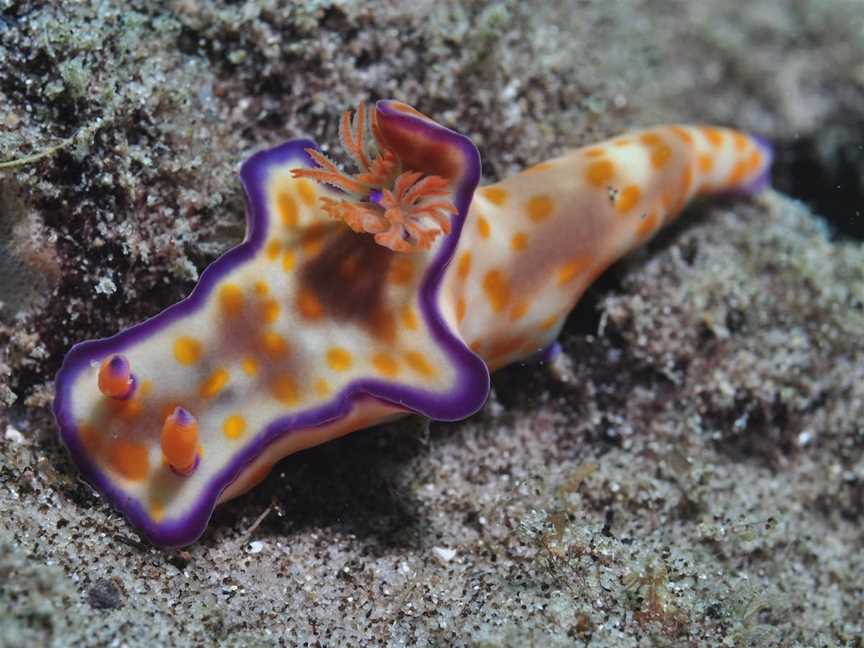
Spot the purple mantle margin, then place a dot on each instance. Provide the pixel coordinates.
(468, 395)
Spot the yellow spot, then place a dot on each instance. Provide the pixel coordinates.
(157, 510)
(385, 365)
(309, 305)
(543, 166)
(130, 459)
(495, 195)
(322, 387)
(539, 207)
(572, 269)
(285, 390)
(339, 359)
(234, 426)
(287, 209)
(261, 288)
(706, 163)
(410, 319)
(483, 227)
(418, 362)
(714, 136)
(464, 266)
(651, 139)
(519, 241)
(627, 199)
(306, 191)
(460, 309)
(647, 225)
(288, 261)
(231, 299)
(270, 310)
(273, 248)
(214, 383)
(497, 290)
(187, 350)
(600, 173)
(594, 152)
(249, 366)
(683, 133)
(518, 311)
(274, 345)
(401, 270)
(660, 156)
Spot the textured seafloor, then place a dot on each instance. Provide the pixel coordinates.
(690, 472)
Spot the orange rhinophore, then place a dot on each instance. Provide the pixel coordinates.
(115, 378)
(179, 441)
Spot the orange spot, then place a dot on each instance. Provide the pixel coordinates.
(738, 173)
(686, 182)
(518, 311)
(647, 225)
(157, 510)
(460, 309)
(313, 239)
(754, 162)
(249, 366)
(288, 261)
(270, 310)
(339, 359)
(600, 173)
(179, 440)
(502, 349)
(131, 460)
(572, 269)
(385, 365)
(483, 227)
(287, 209)
(234, 426)
(274, 345)
(401, 270)
(231, 299)
(497, 290)
(627, 199)
(284, 389)
(306, 191)
(187, 350)
(706, 163)
(543, 166)
(740, 140)
(272, 249)
(594, 152)
(549, 322)
(651, 139)
(623, 141)
(418, 362)
(539, 207)
(309, 305)
(519, 241)
(476, 345)
(214, 383)
(495, 195)
(714, 136)
(660, 156)
(464, 266)
(322, 387)
(683, 133)
(261, 288)
(410, 319)
(90, 437)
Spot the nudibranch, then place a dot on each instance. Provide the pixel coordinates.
(358, 298)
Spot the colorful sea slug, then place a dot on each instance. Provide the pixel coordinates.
(356, 299)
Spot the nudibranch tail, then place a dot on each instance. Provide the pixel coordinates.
(397, 206)
(534, 242)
